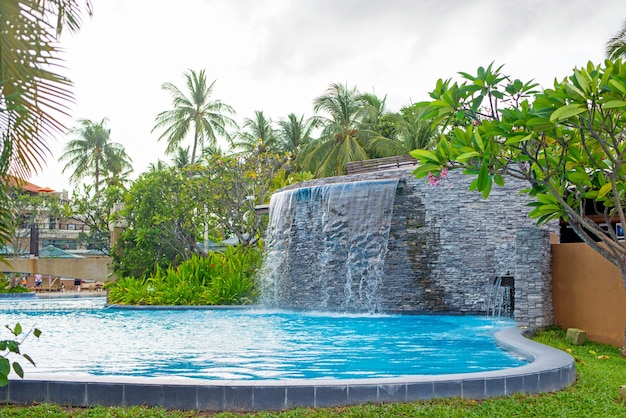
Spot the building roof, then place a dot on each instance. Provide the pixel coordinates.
(28, 186)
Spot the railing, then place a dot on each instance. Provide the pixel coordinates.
(56, 226)
(379, 164)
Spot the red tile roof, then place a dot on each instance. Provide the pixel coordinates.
(27, 186)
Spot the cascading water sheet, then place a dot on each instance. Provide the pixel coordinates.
(339, 234)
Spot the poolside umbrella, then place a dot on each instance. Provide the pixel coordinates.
(232, 240)
(209, 245)
(51, 251)
(7, 250)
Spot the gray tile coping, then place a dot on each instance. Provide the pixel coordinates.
(549, 370)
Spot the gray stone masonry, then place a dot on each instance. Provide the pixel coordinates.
(447, 245)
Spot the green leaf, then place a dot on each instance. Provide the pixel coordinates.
(30, 360)
(565, 112)
(545, 198)
(466, 156)
(611, 104)
(498, 179)
(13, 347)
(483, 177)
(487, 190)
(17, 330)
(578, 177)
(36, 332)
(517, 139)
(422, 154)
(618, 85)
(606, 187)
(479, 141)
(5, 366)
(18, 369)
(582, 79)
(424, 169)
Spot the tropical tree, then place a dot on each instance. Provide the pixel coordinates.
(181, 158)
(229, 188)
(159, 165)
(206, 119)
(411, 129)
(390, 134)
(96, 212)
(33, 94)
(161, 224)
(616, 45)
(380, 139)
(294, 135)
(257, 135)
(568, 142)
(117, 169)
(342, 111)
(92, 154)
(30, 210)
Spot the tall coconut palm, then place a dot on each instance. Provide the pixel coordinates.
(92, 154)
(33, 94)
(343, 110)
(616, 45)
(195, 113)
(257, 135)
(378, 129)
(294, 135)
(117, 168)
(400, 133)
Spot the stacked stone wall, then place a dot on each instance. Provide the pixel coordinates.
(447, 245)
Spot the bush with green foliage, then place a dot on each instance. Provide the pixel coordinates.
(12, 347)
(219, 279)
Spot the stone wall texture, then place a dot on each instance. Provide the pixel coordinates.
(448, 244)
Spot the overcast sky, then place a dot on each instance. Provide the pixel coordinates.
(279, 55)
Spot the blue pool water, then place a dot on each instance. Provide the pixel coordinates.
(82, 337)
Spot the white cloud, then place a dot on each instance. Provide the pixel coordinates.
(278, 55)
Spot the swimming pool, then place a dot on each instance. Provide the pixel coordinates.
(63, 383)
(83, 337)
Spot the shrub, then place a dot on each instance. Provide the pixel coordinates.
(221, 278)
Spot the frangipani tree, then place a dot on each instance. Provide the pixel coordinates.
(568, 142)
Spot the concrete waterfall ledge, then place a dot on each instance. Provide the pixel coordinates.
(550, 370)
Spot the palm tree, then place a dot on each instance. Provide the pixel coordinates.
(257, 135)
(206, 118)
(117, 168)
(294, 135)
(158, 166)
(32, 92)
(616, 45)
(181, 159)
(401, 133)
(341, 140)
(92, 154)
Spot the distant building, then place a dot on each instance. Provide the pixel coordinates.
(40, 227)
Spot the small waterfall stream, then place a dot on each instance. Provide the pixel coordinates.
(326, 246)
(500, 301)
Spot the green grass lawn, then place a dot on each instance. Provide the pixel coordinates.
(600, 369)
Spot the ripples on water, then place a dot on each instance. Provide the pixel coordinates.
(82, 336)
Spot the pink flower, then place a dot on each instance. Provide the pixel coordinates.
(432, 179)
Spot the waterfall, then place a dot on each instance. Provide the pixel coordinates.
(500, 301)
(326, 246)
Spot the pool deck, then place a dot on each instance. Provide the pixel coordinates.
(550, 370)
